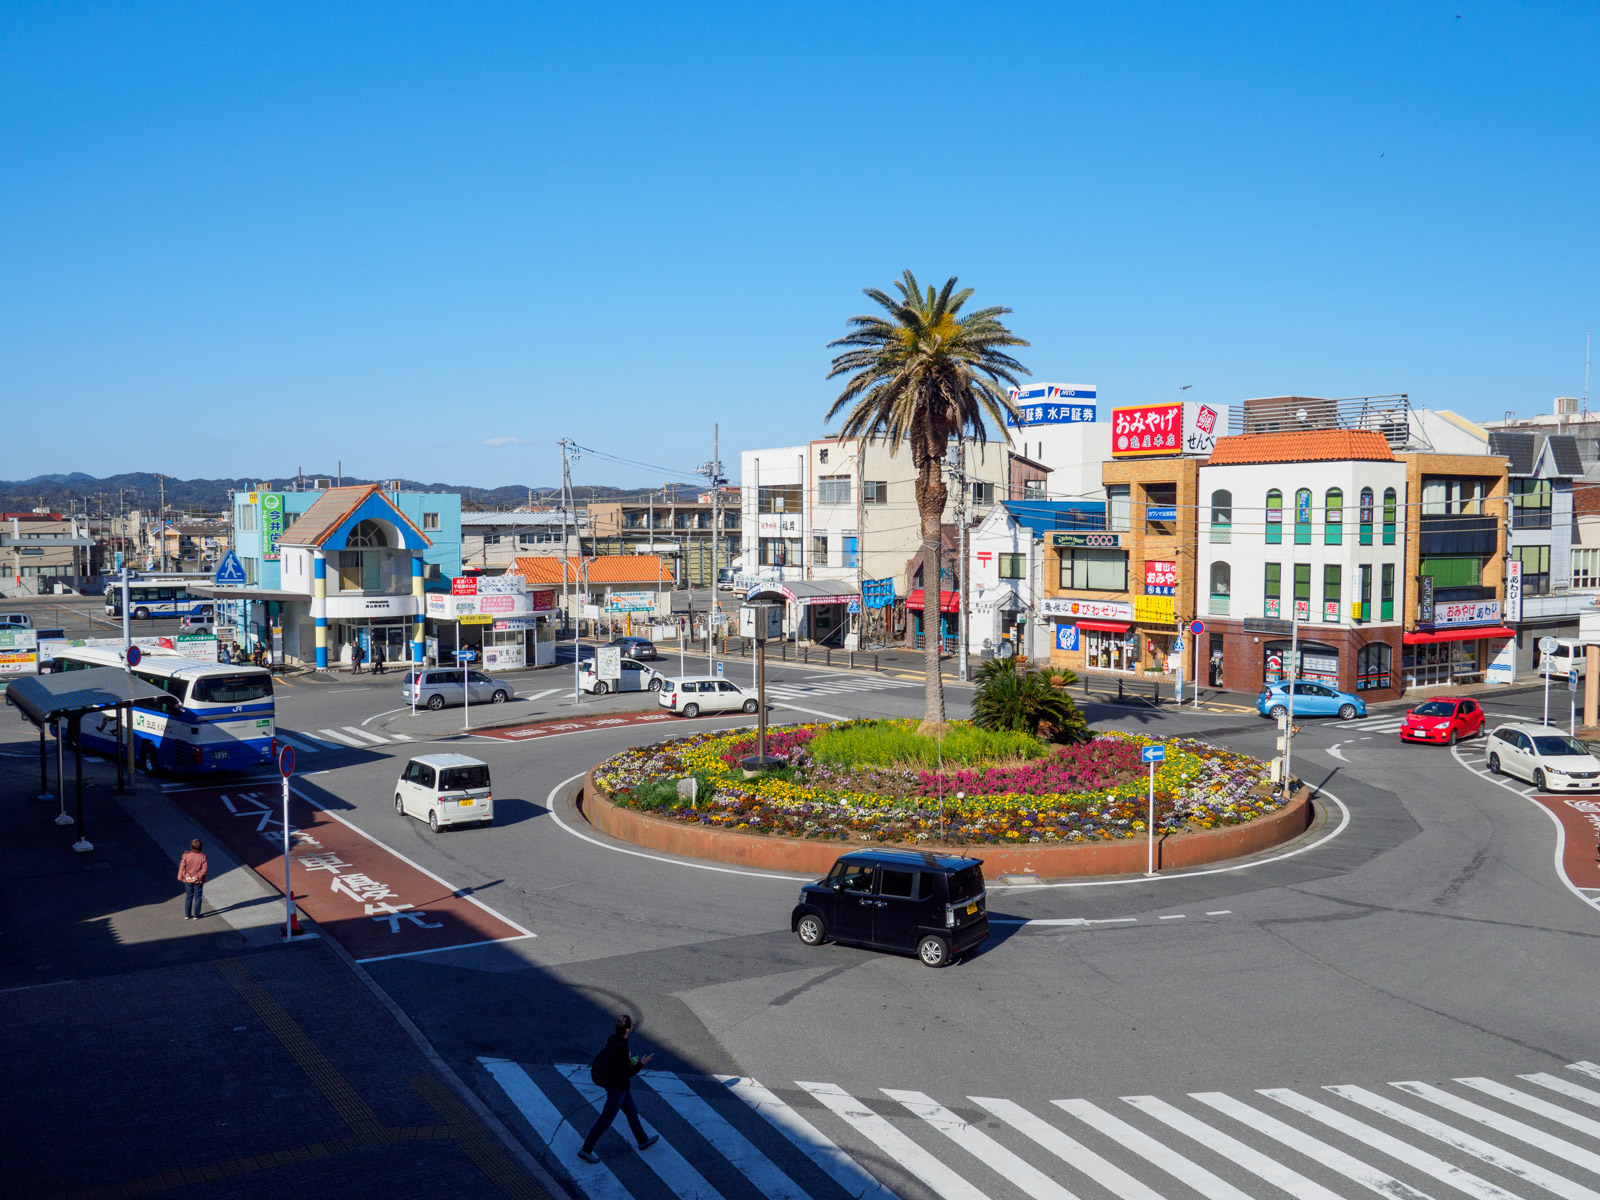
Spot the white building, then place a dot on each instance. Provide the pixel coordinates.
(1006, 558)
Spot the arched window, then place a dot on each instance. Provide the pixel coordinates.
(1274, 517)
(367, 535)
(1302, 517)
(1366, 516)
(1333, 517)
(1221, 516)
(1221, 588)
(1372, 666)
(1390, 511)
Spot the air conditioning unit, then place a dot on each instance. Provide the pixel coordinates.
(321, 485)
(1567, 406)
(393, 485)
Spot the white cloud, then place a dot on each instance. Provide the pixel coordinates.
(503, 441)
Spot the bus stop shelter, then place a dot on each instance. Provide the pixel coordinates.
(65, 699)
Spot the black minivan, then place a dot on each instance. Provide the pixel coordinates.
(932, 905)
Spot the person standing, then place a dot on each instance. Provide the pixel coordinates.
(355, 659)
(614, 1068)
(192, 874)
(379, 664)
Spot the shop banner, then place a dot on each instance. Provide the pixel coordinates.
(1098, 610)
(543, 601)
(1274, 607)
(271, 524)
(1054, 404)
(1201, 423)
(439, 605)
(1514, 590)
(1066, 637)
(1425, 600)
(19, 652)
(464, 585)
(1330, 612)
(1467, 612)
(1153, 610)
(1160, 578)
(630, 602)
(1147, 430)
(1099, 541)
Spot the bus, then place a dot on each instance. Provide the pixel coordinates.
(158, 598)
(212, 718)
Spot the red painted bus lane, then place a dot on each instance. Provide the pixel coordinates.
(545, 729)
(1580, 825)
(373, 900)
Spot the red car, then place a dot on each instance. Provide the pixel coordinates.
(1442, 722)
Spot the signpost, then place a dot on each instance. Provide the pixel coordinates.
(291, 926)
(463, 657)
(1547, 647)
(1197, 628)
(135, 656)
(760, 622)
(1572, 691)
(1152, 755)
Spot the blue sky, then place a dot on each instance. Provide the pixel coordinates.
(245, 238)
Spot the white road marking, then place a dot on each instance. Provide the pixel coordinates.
(755, 1166)
(1510, 1126)
(982, 1147)
(1069, 1150)
(673, 1169)
(895, 1144)
(1174, 917)
(297, 743)
(1220, 912)
(334, 735)
(813, 711)
(543, 694)
(555, 1131)
(1566, 1088)
(1170, 1161)
(371, 737)
(838, 1165)
(1534, 1104)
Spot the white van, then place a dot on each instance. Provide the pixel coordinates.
(1569, 655)
(445, 789)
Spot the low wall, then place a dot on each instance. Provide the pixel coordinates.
(1060, 861)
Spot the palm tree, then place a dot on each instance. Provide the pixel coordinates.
(921, 372)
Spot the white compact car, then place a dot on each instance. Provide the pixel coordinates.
(445, 789)
(705, 693)
(1545, 757)
(636, 677)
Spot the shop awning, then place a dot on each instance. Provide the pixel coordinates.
(948, 601)
(1457, 635)
(1104, 626)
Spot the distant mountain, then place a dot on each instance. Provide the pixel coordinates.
(143, 490)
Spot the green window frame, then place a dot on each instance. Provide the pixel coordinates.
(1365, 599)
(1333, 517)
(1274, 517)
(1221, 516)
(1302, 589)
(1272, 591)
(1390, 511)
(1332, 591)
(1365, 514)
(1386, 595)
(1302, 517)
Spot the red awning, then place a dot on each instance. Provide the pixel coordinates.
(1457, 635)
(948, 601)
(1104, 626)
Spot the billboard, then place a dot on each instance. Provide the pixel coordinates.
(1053, 404)
(271, 524)
(1160, 578)
(1146, 430)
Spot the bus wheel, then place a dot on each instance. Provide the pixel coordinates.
(147, 758)
(141, 614)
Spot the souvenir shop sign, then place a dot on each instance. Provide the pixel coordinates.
(1160, 578)
(1097, 610)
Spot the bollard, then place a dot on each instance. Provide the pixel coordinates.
(827, 657)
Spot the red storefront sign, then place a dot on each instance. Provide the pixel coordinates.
(1160, 578)
(464, 585)
(543, 601)
(1148, 429)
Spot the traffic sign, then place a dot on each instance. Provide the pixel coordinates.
(1198, 627)
(854, 608)
(1548, 644)
(719, 669)
(134, 655)
(286, 761)
(1572, 681)
(230, 571)
(1153, 754)
(466, 655)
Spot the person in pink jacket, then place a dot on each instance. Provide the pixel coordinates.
(192, 874)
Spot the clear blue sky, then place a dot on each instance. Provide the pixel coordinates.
(242, 238)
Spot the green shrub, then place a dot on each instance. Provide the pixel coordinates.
(1012, 695)
(896, 743)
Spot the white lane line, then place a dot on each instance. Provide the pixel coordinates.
(755, 1166)
(672, 1168)
(1170, 1161)
(401, 737)
(1068, 1149)
(1220, 912)
(1533, 1104)
(809, 1140)
(385, 713)
(1565, 1087)
(1231, 1148)
(1384, 1143)
(1510, 1163)
(1061, 920)
(333, 735)
(543, 694)
(1334, 1159)
(371, 737)
(892, 1142)
(982, 1147)
(1174, 917)
(813, 711)
(1523, 1132)
(297, 743)
(554, 1130)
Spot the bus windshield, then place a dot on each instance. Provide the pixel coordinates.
(230, 689)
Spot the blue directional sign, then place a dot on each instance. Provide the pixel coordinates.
(230, 571)
(466, 655)
(1153, 754)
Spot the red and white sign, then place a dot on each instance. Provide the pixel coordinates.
(1099, 610)
(543, 601)
(1206, 419)
(1160, 578)
(464, 585)
(1146, 430)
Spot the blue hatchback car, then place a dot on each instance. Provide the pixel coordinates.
(1310, 700)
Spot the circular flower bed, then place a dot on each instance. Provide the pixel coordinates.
(1095, 791)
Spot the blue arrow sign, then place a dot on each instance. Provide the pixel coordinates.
(1153, 754)
(230, 571)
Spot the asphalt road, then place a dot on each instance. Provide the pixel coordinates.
(1420, 932)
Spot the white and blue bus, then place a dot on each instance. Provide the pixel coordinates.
(158, 598)
(214, 718)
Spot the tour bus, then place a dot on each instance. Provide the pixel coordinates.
(214, 718)
(158, 598)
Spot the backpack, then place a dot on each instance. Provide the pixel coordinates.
(599, 1073)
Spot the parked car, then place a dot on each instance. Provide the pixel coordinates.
(203, 624)
(636, 677)
(930, 905)
(444, 790)
(1310, 700)
(1442, 721)
(642, 649)
(440, 686)
(1545, 757)
(705, 693)
(1569, 655)
(15, 620)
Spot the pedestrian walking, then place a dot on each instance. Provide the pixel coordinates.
(355, 659)
(613, 1069)
(192, 874)
(379, 664)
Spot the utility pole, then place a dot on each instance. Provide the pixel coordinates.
(713, 473)
(162, 559)
(962, 672)
(568, 453)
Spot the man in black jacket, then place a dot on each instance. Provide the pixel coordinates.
(614, 1070)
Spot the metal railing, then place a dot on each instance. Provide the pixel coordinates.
(1389, 415)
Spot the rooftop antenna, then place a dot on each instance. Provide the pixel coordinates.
(1588, 341)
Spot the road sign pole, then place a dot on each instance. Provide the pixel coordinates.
(1150, 868)
(1572, 694)
(286, 769)
(1198, 629)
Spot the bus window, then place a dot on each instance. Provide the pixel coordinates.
(164, 594)
(231, 689)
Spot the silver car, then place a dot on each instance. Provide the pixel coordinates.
(440, 686)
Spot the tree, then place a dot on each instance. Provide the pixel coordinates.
(921, 372)
(1012, 695)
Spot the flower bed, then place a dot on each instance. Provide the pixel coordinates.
(1095, 792)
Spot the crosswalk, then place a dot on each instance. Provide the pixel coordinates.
(729, 1138)
(828, 685)
(346, 737)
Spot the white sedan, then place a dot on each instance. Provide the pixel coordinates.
(636, 677)
(705, 693)
(1545, 757)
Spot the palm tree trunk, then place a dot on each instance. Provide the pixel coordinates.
(931, 494)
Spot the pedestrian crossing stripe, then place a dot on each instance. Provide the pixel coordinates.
(347, 737)
(792, 690)
(724, 1135)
